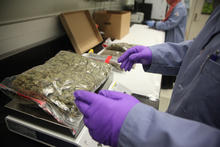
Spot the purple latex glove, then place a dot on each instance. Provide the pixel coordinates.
(136, 54)
(104, 113)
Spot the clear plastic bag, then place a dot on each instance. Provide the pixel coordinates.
(112, 60)
(115, 50)
(52, 85)
(120, 47)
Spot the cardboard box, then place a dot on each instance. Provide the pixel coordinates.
(114, 24)
(81, 30)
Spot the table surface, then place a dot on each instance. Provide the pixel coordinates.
(137, 80)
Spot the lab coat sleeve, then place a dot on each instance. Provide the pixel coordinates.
(167, 57)
(144, 126)
(177, 15)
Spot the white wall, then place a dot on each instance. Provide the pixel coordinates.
(11, 10)
(28, 23)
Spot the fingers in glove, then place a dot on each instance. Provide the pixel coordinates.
(129, 66)
(112, 94)
(135, 57)
(85, 96)
(124, 63)
(124, 56)
(83, 107)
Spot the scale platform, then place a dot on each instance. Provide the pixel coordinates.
(32, 122)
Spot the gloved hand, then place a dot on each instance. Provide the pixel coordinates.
(150, 23)
(136, 54)
(104, 113)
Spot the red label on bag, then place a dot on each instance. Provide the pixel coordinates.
(104, 45)
(107, 60)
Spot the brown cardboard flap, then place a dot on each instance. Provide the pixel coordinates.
(81, 30)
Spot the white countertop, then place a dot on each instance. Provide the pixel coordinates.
(143, 35)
